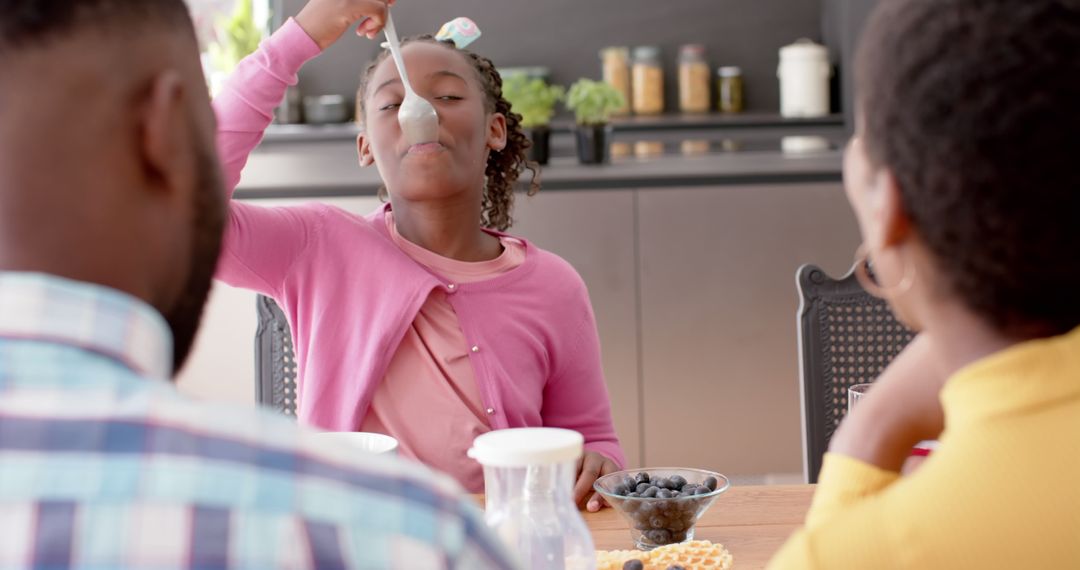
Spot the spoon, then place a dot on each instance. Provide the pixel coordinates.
(417, 117)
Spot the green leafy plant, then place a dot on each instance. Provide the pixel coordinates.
(533, 98)
(239, 37)
(593, 102)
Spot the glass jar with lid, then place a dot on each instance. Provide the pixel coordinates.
(529, 476)
(694, 84)
(648, 81)
(615, 68)
(730, 89)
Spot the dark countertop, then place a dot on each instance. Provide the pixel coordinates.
(312, 162)
(758, 122)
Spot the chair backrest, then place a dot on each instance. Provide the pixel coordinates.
(275, 361)
(846, 337)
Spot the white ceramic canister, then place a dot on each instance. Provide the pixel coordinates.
(804, 79)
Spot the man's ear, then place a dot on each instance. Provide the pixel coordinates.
(166, 136)
(363, 151)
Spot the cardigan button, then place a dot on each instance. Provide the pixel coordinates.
(491, 411)
(476, 349)
(452, 287)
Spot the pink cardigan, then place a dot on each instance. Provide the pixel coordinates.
(350, 292)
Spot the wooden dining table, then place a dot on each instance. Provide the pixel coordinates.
(752, 522)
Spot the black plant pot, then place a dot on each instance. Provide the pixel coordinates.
(594, 143)
(540, 151)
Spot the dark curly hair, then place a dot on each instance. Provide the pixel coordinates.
(503, 167)
(974, 106)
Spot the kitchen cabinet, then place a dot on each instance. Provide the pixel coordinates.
(594, 231)
(718, 318)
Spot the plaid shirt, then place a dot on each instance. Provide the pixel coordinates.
(103, 465)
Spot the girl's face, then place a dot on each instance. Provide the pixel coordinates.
(467, 131)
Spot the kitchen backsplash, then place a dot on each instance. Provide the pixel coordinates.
(567, 35)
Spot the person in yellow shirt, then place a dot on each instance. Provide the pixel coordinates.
(964, 174)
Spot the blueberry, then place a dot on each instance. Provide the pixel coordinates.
(711, 483)
(662, 482)
(688, 489)
(675, 494)
(646, 509)
(675, 567)
(676, 525)
(633, 564)
(658, 536)
(631, 506)
(642, 477)
(641, 487)
(663, 494)
(678, 481)
(703, 491)
(650, 492)
(678, 536)
(642, 525)
(633, 495)
(621, 490)
(658, 522)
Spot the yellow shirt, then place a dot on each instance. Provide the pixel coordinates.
(1001, 491)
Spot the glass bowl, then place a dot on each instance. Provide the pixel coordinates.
(664, 503)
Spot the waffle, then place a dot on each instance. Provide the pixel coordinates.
(693, 555)
(614, 559)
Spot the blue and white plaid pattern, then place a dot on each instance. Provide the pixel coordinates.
(103, 465)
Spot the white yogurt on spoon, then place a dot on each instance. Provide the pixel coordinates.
(417, 117)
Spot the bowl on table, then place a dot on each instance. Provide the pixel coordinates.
(662, 504)
(376, 443)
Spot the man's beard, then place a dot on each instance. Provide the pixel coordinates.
(207, 228)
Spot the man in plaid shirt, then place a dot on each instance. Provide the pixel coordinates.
(111, 215)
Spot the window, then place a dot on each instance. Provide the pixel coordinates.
(228, 30)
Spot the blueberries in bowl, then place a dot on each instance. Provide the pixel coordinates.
(661, 505)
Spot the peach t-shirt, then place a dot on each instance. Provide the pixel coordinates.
(429, 399)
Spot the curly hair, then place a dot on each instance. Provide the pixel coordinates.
(974, 106)
(503, 167)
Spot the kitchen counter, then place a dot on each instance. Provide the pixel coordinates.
(312, 162)
(741, 122)
(330, 169)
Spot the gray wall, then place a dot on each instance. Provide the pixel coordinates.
(566, 35)
(843, 24)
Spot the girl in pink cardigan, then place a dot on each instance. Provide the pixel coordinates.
(422, 320)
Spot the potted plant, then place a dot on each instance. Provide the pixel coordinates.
(593, 103)
(535, 101)
(234, 38)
